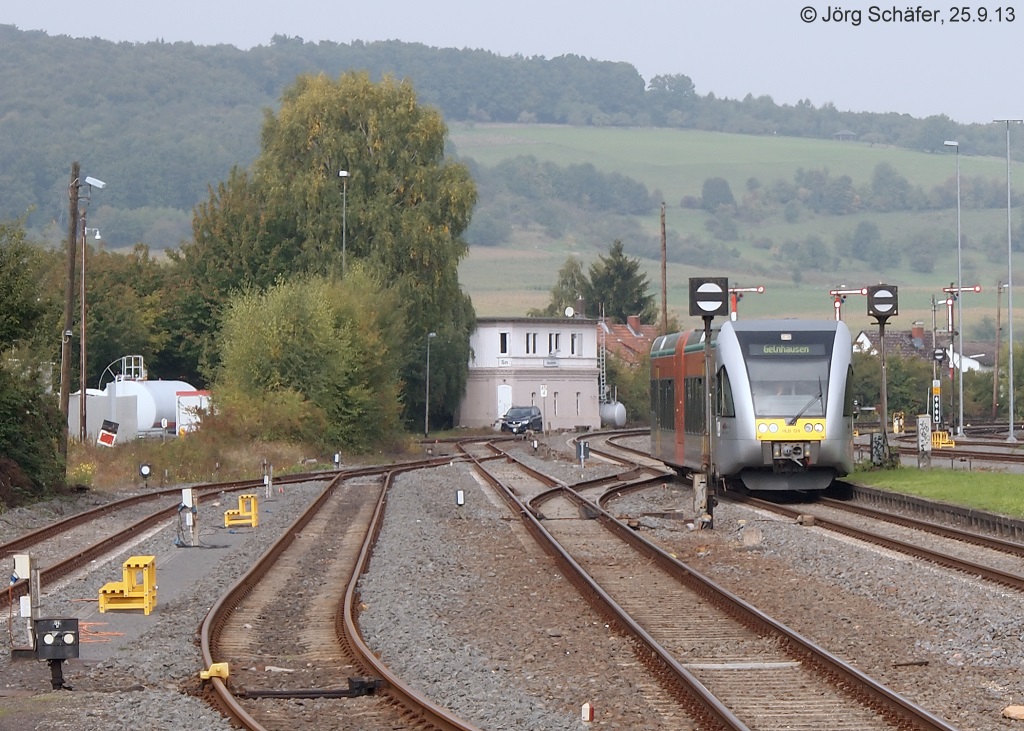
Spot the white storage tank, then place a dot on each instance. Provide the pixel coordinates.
(613, 414)
(157, 400)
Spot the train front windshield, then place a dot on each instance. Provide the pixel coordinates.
(788, 372)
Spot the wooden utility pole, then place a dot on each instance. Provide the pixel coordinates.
(69, 308)
(664, 275)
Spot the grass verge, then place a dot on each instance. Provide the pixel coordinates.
(997, 492)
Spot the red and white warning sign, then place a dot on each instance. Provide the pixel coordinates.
(108, 434)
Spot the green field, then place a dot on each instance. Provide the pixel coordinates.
(509, 280)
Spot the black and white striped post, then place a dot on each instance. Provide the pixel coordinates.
(883, 303)
(709, 298)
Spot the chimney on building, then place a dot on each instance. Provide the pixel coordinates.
(633, 323)
(917, 334)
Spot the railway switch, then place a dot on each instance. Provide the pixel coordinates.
(217, 670)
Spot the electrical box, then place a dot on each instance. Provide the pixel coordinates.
(21, 567)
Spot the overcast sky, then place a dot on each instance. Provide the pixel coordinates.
(920, 65)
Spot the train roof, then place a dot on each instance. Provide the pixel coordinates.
(785, 324)
(694, 339)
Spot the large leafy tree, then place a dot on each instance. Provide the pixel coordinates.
(402, 209)
(571, 286)
(125, 294)
(313, 360)
(619, 287)
(20, 307)
(30, 422)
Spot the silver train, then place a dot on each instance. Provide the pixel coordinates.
(782, 407)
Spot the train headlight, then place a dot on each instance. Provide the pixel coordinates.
(808, 427)
(773, 428)
(819, 427)
(762, 428)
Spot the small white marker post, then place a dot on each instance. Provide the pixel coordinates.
(587, 713)
(460, 497)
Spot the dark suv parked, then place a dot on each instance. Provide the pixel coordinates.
(520, 419)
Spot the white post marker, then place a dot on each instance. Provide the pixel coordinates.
(460, 497)
(188, 499)
(587, 712)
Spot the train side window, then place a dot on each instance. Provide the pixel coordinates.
(726, 406)
(693, 406)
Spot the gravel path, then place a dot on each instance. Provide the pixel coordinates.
(490, 629)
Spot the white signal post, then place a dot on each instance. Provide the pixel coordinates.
(839, 296)
(955, 291)
(736, 294)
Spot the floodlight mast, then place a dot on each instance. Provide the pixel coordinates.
(343, 174)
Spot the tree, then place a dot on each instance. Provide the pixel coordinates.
(30, 422)
(890, 191)
(20, 308)
(669, 95)
(632, 386)
(617, 284)
(125, 295)
(863, 243)
(405, 209)
(571, 286)
(716, 193)
(322, 354)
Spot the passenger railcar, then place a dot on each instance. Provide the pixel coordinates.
(782, 408)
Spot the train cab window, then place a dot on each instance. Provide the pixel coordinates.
(725, 405)
(788, 376)
(800, 392)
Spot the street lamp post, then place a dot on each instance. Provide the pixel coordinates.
(81, 339)
(343, 174)
(90, 183)
(426, 399)
(959, 298)
(1011, 436)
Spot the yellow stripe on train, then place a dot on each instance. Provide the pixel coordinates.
(778, 429)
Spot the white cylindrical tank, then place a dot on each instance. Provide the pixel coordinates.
(157, 400)
(613, 414)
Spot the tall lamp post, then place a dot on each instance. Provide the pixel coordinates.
(343, 174)
(959, 295)
(90, 183)
(1011, 436)
(426, 399)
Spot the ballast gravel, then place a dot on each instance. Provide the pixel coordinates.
(465, 607)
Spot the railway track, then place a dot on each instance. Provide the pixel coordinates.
(313, 631)
(726, 664)
(322, 663)
(987, 557)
